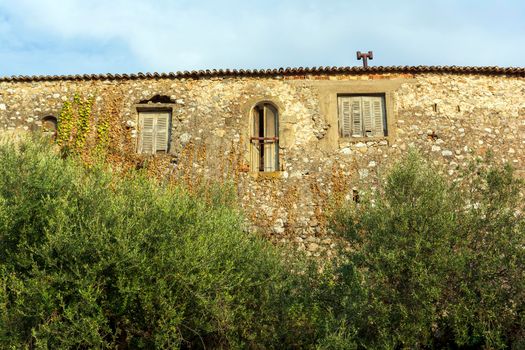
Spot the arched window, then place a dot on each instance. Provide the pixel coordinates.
(49, 126)
(264, 138)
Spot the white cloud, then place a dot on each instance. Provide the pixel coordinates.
(182, 35)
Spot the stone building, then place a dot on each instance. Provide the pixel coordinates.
(291, 140)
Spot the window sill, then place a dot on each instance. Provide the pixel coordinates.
(363, 139)
(156, 154)
(266, 175)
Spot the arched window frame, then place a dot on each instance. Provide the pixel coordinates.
(264, 137)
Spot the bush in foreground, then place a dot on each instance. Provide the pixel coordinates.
(436, 264)
(91, 260)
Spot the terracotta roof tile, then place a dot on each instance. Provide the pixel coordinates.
(356, 70)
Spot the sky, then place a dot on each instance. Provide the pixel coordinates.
(47, 37)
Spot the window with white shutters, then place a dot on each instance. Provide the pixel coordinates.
(264, 138)
(154, 131)
(362, 116)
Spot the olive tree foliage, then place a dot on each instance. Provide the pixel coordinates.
(436, 263)
(89, 259)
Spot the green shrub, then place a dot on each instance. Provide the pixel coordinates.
(488, 303)
(435, 264)
(93, 260)
(90, 259)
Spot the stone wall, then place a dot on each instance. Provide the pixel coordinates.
(451, 117)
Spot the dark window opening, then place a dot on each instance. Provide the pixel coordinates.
(355, 195)
(260, 115)
(49, 126)
(158, 99)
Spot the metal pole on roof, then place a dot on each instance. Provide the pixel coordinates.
(365, 57)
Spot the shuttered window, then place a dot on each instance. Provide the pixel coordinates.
(154, 132)
(362, 116)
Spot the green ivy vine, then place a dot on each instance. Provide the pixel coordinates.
(83, 119)
(74, 123)
(102, 135)
(65, 125)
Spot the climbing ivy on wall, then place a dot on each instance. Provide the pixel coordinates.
(74, 123)
(96, 133)
(84, 114)
(65, 124)
(102, 135)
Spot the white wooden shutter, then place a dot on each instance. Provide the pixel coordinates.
(147, 132)
(255, 145)
(378, 116)
(270, 149)
(161, 132)
(357, 127)
(366, 113)
(361, 116)
(345, 117)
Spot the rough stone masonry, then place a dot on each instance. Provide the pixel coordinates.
(451, 114)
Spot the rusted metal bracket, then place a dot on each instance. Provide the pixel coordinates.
(262, 139)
